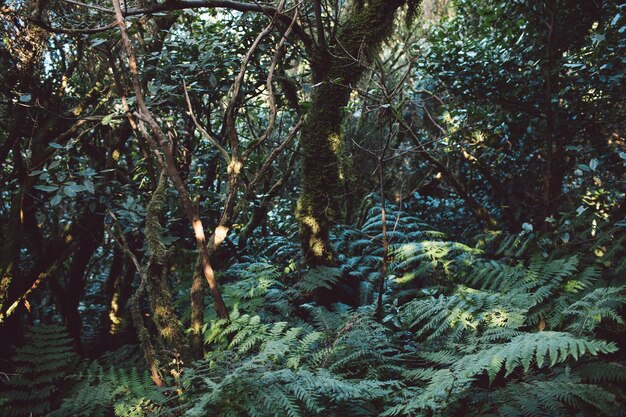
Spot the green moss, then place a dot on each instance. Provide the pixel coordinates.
(159, 291)
(335, 71)
(153, 229)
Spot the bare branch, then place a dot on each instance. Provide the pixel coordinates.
(268, 162)
(67, 31)
(321, 38)
(90, 6)
(202, 130)
(233, 94)
(169, 163)
(270, 89)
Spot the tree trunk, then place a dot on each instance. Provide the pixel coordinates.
(159, 292)
(197, 314)
(89, 232)
(336, 69)
(168, 162)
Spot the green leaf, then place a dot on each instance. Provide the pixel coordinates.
(553, 353)
(76, 188)
(106, 120)
(616, 19)
(56, 199)
(97, 42)
(88, 184)
(46, 188)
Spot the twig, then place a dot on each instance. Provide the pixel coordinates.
(169, 164)
(202, 130)
(142, 331)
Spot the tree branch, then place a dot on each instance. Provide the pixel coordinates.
(169, 164)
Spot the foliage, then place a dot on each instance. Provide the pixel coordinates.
(479, 169)
(41, 365)
(49, 381)
(97, 391)
(503, 337)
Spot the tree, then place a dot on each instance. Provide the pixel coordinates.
(337, 64)
(393, 219)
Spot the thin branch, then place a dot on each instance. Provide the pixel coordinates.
(169, 163)
(202, 130)
(319, 23)
(90, 6)
(479, 210)
(171, 5)
(270, 89)
(233, 95)
(67, 31)
(270, 159)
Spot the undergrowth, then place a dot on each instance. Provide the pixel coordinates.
(515, 330)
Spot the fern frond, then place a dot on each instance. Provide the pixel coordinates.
(589, 311)
(541, 348)
(554, 398)
(42, 363)
(318, 277)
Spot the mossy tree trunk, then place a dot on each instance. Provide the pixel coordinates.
(159, 292)
(336, 65)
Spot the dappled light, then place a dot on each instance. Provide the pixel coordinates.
(343, 208)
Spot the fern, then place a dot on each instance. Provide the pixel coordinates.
(420, 259)
(592, 308)
(541, 348)
(90, 396)
(360, 347)
(481, 328)
(98, 391)
(270, 372)
(490, 274)
(601, 372)
(497, 315)
(252, 281)
(456, 375)
(363, 248)
(253, 390)
(550, 398)
(315, 278)
(334, 366)
(42, 364)
(494, 336)
(280, 248)
(516, 245)
(401, 227)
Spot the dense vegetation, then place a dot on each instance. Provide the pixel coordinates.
(328, 207)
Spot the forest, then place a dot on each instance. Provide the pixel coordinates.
(285, 208)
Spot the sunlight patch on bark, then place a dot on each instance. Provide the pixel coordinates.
(335, 142)
(312, 223)
(220, 234)
(234, 167)
(197, 228)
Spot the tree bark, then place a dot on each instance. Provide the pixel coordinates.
(89, 233)
(336, 69)
(197, 314)
(158, 140)
(159, 292)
